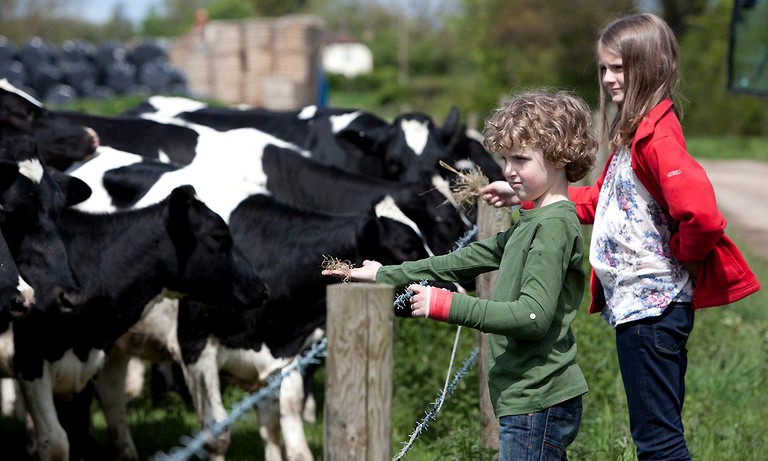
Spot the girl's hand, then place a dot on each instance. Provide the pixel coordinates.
(366, 273)
(499, 194)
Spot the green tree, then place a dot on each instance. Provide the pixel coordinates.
(118, 27)
(231, 9)
(526, 43)
(708, 107)
(273, 8)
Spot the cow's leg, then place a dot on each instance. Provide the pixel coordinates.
(52, 443)
(110, 388)
(269, 427)
(74, 415)
(134, 378)
(309, 412)
(291, 423)
(12, 404)
(202, 379)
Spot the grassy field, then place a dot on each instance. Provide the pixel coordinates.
(728, 147)
(725, 413)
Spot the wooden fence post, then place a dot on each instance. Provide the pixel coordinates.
(490, 220)
(358, 372)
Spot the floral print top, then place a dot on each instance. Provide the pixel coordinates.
(630, 249)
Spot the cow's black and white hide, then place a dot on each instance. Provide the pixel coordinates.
(123, 260)
(298, 181)
(60, 141)
(350, 139)
(148, 138)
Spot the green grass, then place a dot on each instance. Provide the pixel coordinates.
(728, 147)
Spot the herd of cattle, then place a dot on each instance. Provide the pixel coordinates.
(178, 232)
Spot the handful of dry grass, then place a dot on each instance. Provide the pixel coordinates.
(466, 189)
(335, 264)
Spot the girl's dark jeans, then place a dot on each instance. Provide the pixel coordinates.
(653, 361)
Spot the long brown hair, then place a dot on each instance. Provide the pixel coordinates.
(650, 56)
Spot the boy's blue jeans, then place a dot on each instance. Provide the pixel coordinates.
(540, 436)
(653, 361)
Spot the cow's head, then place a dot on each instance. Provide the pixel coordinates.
(31, 205)
(211, 268)
(465, 148)
(390, 237)
(60, 142)
(433, 209)
(16, 295)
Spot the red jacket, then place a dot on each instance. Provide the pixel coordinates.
(681, 187)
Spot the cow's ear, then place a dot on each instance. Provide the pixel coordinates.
(17, 108)
(9, 171)
(451, 126)
(178, 223)
(179, 202)
(369, 141)
(178, 207)
(75, 189)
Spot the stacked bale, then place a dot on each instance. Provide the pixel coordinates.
(272, 63)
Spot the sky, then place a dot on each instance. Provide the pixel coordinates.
(101, 10)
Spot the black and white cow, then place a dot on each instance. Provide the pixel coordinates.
(286, 246)
(60, 141)
(30, 201)
(123, 260)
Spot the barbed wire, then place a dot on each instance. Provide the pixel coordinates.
(465, 239)
(435, 408)
(194, 446)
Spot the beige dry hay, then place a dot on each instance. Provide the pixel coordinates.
(466, 189)
(335, 264)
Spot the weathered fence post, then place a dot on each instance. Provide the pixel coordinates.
(358, 372)
(490, 220)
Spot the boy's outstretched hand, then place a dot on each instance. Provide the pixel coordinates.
(366, 273)
(499, 194)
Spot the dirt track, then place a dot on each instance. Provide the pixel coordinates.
(740, 187)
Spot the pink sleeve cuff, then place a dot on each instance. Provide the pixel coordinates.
(439, 303)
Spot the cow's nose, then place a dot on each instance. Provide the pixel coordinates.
(256, 295)
(69, 300)
(19, 306)
(91, 138)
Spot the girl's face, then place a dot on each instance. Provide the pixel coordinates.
(611, 73)
(531, 176)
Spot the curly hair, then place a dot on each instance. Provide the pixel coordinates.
(559, 122)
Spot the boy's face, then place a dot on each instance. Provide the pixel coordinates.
(530, 175)
(611, 69)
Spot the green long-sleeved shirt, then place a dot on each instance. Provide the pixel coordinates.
(540, 283)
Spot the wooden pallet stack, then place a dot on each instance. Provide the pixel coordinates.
(270, 62)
